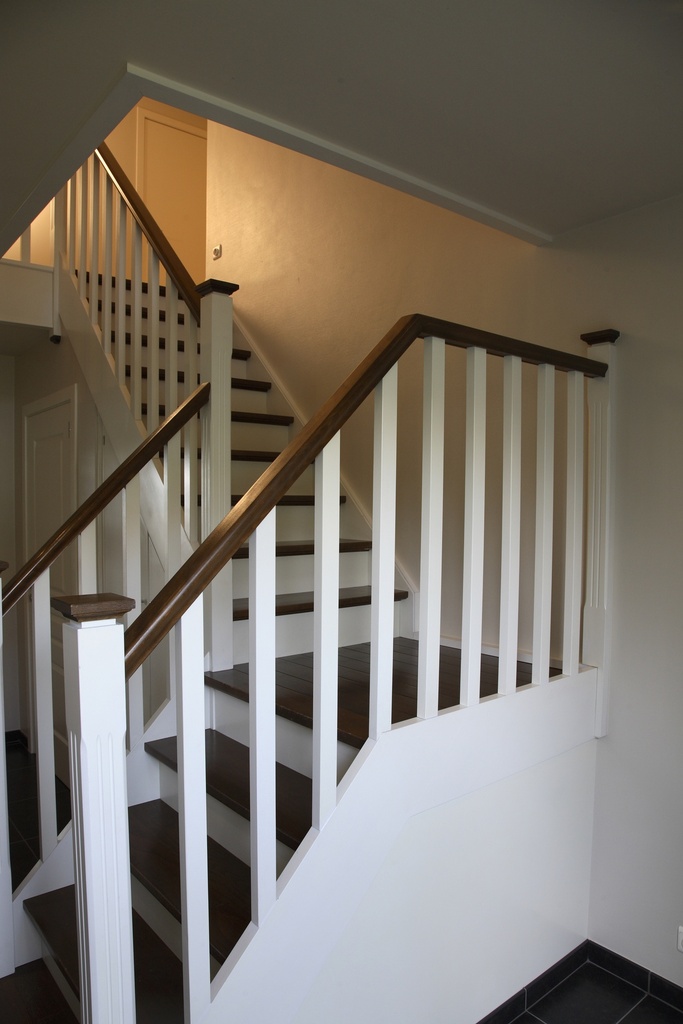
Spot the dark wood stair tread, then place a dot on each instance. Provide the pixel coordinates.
(294, 685)
(242, 354)
(158, 972)
(243, 384)
(249, 455)
(154, 861)
(295, 604)
(269, 418)
(306, 547)
(227, 779)
(296, 500)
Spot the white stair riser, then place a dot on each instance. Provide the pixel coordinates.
(293, 742)
(163, 923)
(225, 826)
(294, 573)
(294, 633)
(244, 474)
(266, 436)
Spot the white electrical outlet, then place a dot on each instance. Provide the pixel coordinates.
(680, 938)
(217, 252)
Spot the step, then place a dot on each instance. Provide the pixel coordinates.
(296, 604)
(158, 973)
(289, 500)
(268, 418)
(227, 780)
(285, 548)
(241, 354)
(246, 384)
(154, 862)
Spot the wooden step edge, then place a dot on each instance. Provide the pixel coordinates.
(227, 781)
(242, 354)
(288, 548)
(267, 418)
(289, 500)
(154, 840)
(299, 603)
(223, 682)
(243, 384)
(158, 972)
(247, 455)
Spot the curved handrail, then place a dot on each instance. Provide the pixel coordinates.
(174, 266)
(100, 498)
(218, 548)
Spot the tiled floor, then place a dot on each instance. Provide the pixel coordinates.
(592, 985)
(23, 809)
(593, 995)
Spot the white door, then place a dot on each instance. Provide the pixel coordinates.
(49, 499)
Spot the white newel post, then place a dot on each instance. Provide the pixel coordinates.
(597, 607)
(216, 367)
(6, 927)
(96, 724)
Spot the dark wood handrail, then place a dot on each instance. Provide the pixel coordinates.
(100, 498)
(217, 549)
(174, 266)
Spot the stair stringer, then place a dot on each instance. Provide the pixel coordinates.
(114, 409)
(415, 767)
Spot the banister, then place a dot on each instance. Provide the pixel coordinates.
(174, 266)
(100, 498)
(217, 549)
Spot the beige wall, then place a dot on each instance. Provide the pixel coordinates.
(327, 262)
(163, 152)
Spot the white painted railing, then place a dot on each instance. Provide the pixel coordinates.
(265, 884)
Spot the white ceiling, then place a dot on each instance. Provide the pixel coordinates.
(536, 116)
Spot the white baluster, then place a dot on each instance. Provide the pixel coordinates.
(59, 256)
(383, 545)
(574, 524)
(136, 323)
(192, 812)
(597, 609)
(543, 564)
(108, 243)
(262, 717)
(73, 217)
(94, 240)
(326, 632)
(216, 367)
(45, 745)
(473, 555)
(6, 928)
(153, 341)
(96, 723)
(83, 179)
(25, 246)
(432, 527)
(509, 557)
(192, 432)
(132, 584)
(120, 290)
(87, 559)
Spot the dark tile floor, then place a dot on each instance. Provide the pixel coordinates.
(593, 985)
(22, 801)
(593, 995)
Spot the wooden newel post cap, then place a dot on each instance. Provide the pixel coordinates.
(89, 607)
(213, 285)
